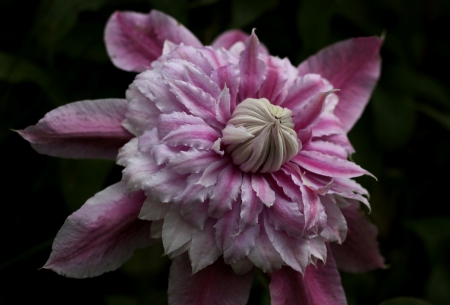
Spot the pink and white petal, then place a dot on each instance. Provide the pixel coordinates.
(183, 249)
(101, 235)
(308, 114)
(263, 190)
(359, 252)
(216, 284)
(227, 39)
(226, 191)
(336, 228)
(191, 54)
(176, 231)
(164, 185)
(196, 214)
(350, 184)
(156, 89)
(196, 136)
(263, 254)
(241, 245)
(174, 120)
(223, 106)
(328, 124)
(194, 194)
(153, 209)
(193, 161)
(318, 250)
(142, 113)
(228, 76)
(353, 66)
(131, 44)
(315, 216)
(139, 166)
(326, 148)
(328, 165)
(276, 77)
(285, 216)
(211, 173)
(148, 140)
(199, 103)
(183, 70)
(227, 226)
(295, 252)
(303, 89)
(204, 251)
(321, 285)
(252, 69)
(135, 40)
(339, 139)
(251, 205)
(163, 153)
(85, 129)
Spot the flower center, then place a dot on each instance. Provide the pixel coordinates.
(260, 137)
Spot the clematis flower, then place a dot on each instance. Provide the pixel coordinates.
(234, 158)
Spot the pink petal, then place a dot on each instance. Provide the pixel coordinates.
(164, 185)
(336, 228)
(225, 191)
(294, 251)
(302, 90)
(359, 252)
(328, 124)
(319, 286)
(153, 209)
(327, 148)
(253, 69)
(309, 113)
(196, 136)
(199, 103)
(285, 216)
(263, 254)
(204, 251)
(224, 106)
(195, 213)
(339, 139)
(152, 85)
(328, 165)
(193, 161)
(263, 190)
(135, 40)
(315, 216)
(211, 173)
(86, 129)
(190, 54)
(185, 71)
(228, 76)
(229, 38)
(142, 114)
(174, 120)
(354, 67)
(176, 231)
(241, 245)
(216, 284)
(274, 85)
(251, 205)
(101, 235)
(227, 226)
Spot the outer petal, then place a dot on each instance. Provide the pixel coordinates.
(319, 286)
(204, 251)
(217, 284)
(101, 235)
(359, 252)
(135, 40)
(85, 129)
(354, 67)
(229, 38)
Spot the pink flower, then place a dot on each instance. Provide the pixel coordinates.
(234, 158)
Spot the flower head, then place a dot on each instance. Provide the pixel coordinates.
(233, 157)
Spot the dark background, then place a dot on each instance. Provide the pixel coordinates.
(52, 53)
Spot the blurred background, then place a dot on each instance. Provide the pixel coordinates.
(52, 53)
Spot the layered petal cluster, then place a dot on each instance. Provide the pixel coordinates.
(235, 159)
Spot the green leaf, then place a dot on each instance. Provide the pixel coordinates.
(405, 301)
(442, 118)
(82, 179)
(245, 12)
